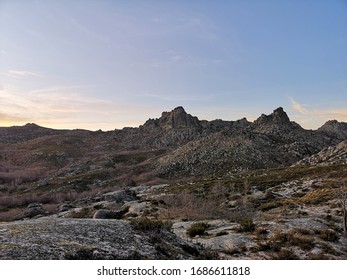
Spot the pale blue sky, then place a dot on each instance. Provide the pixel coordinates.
(109, 64)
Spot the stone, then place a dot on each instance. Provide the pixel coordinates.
(33, 210)
(56, 238)
(108, 214)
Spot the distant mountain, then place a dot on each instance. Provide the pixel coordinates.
(176, 145)
(217, 147)
(15, 134)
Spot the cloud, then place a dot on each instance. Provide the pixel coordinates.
(314, 117)
(5, 118)
(18, 74)
(65, 107)
(298, 107)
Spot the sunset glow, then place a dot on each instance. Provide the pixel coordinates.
(110, 64)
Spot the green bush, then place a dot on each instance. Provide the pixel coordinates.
(197, 229)
(247, 225)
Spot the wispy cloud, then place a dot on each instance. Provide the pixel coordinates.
(19, 74)
(298, 107)
(68, 107)
(314, 117)
(51, 105)
(4, 117)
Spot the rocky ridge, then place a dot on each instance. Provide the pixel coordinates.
(176, 169)
(330, 155)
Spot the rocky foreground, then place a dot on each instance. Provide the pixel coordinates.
(295, 219)
(53, 238)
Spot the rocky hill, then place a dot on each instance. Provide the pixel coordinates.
(331, 155)
(242, 189)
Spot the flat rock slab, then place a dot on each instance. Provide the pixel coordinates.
(54, 238)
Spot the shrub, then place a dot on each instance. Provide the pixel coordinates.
(246, 225)
(328, 235)
(327, 249)
(286, 254)
(261, 233)
(292, 238)
(145, 224)
(270, 205)
(197, 229)
(318, 256)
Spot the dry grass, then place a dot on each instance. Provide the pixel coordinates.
(317, 196)
(187, 205)
(8, 216)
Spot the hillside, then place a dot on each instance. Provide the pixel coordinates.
(262, 189)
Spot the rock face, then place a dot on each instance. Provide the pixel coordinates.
(270, 141)
(330, 155)
(275, 122)
(49, 238)
(177, 118)
(335, 129)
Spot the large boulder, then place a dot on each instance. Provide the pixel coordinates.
(33, 210)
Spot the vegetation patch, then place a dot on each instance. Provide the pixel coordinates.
(328, 235)
(145, 224)
(286, 254)
(317, 196)
(247, 225)
(197, 229)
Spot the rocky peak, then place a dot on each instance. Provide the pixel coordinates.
(277, 117)
(277, 121)
(279, 114)
(177, 118)
(31, 125)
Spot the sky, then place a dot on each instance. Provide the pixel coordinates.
(103, 64)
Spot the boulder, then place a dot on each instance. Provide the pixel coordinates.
(33, 210)
(108, 214)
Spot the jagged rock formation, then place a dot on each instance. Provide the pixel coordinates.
(330, 155)
(176, 144)
(334, 129)
(177, 118)
(270, 141)
(276, 123)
